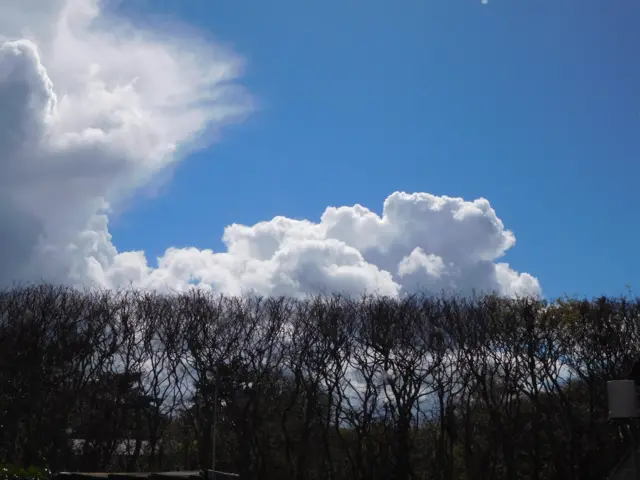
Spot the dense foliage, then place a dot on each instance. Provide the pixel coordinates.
(322, 388)
(13, 472)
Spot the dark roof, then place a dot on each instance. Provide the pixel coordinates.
(181, 475)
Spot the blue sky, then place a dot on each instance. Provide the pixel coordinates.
(533, 105)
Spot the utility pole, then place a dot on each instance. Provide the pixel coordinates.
(214, 422)
(213, 431)
(635, 376)
(634, 448)
(624, 404)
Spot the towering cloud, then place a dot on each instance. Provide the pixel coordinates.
(92, 108)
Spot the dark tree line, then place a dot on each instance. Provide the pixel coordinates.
(329, 387)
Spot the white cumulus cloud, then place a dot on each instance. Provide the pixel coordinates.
(93, 108)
